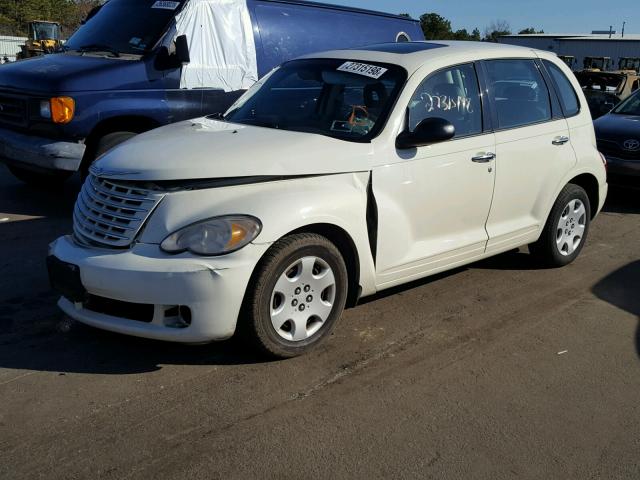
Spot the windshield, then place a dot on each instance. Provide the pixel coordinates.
(125, 26)
(343, 99)
(45, 31)
(631, 106)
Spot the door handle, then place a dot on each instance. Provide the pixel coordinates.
(484, 158)
(560, 140)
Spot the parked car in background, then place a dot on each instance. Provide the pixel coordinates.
(134, 66)
(618, 135)
(338, 175)
(604, 90)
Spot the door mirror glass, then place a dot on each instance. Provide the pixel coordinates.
(182, 50)
(176, 59)
(429, 131)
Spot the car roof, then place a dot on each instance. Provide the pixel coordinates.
(412, 55)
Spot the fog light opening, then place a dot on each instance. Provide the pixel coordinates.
(177, 317)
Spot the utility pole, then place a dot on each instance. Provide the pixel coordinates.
(623, 24)
(610, 31)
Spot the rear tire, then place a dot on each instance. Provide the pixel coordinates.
(102, 146)
(45, 180)
(295, 297)
(566, 230)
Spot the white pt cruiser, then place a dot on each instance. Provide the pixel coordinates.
(336, 176)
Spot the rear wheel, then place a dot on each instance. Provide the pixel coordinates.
(296, 297)
(566, 230)
(53, 179)
(102, 146)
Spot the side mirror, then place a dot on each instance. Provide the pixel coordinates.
(428, 131)
(182, 50)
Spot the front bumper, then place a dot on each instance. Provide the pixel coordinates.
(212, 288)
(619, 166)
(39, 153)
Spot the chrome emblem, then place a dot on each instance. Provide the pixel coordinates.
(631, 144)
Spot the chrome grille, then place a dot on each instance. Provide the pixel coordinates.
(110, 213)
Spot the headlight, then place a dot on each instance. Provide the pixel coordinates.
(215, 236)
(58, 109)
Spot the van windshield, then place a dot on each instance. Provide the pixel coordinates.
(125, 26)
(349, 100)
(631, 106)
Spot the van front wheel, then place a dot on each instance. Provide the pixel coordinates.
(566, 230)
(296, 296)
(102, 146)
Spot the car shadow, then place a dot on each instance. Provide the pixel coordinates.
(52, 342)
(21, 199)
(622, 289)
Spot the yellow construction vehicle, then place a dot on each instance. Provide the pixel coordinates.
(597, 64)
(44, 37)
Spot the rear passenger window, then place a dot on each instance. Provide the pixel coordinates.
(452, 94)
(520, 95)
(568, 97)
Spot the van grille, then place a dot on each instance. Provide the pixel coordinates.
(111, 213)
(13, 110)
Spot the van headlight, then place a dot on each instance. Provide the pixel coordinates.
(215, 236)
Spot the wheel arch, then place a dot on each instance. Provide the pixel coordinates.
(590, 185)
(121, 123)
(347, 247)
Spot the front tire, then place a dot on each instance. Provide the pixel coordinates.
(296, 296)
(566, 230)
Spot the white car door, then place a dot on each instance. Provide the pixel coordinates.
(533, 152)
(433, 204)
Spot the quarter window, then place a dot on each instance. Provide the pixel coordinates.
(520, 95)
(568, 97)
(452, 94)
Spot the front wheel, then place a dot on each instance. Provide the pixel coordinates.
(296, 296)
(566, 230)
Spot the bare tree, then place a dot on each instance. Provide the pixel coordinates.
(495, 29)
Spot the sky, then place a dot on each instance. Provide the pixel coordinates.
(552, 16)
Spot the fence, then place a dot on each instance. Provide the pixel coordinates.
(10, 46)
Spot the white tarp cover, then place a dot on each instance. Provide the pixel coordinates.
(221, 45)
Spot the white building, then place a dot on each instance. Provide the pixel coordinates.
(10, 46)
(581, 45)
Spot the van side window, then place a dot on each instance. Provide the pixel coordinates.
(452, 94)
(568, 96)
(519, 93)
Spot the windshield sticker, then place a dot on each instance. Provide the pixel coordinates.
(165, 5)
(135, 41)
(371, 71)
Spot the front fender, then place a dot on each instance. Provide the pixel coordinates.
(282, 206)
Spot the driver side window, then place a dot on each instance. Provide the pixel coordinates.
(452, 94)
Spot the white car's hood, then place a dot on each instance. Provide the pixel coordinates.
(204, 148)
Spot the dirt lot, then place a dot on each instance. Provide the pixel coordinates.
(498, 370)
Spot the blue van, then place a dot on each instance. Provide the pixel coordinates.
(135, 65)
